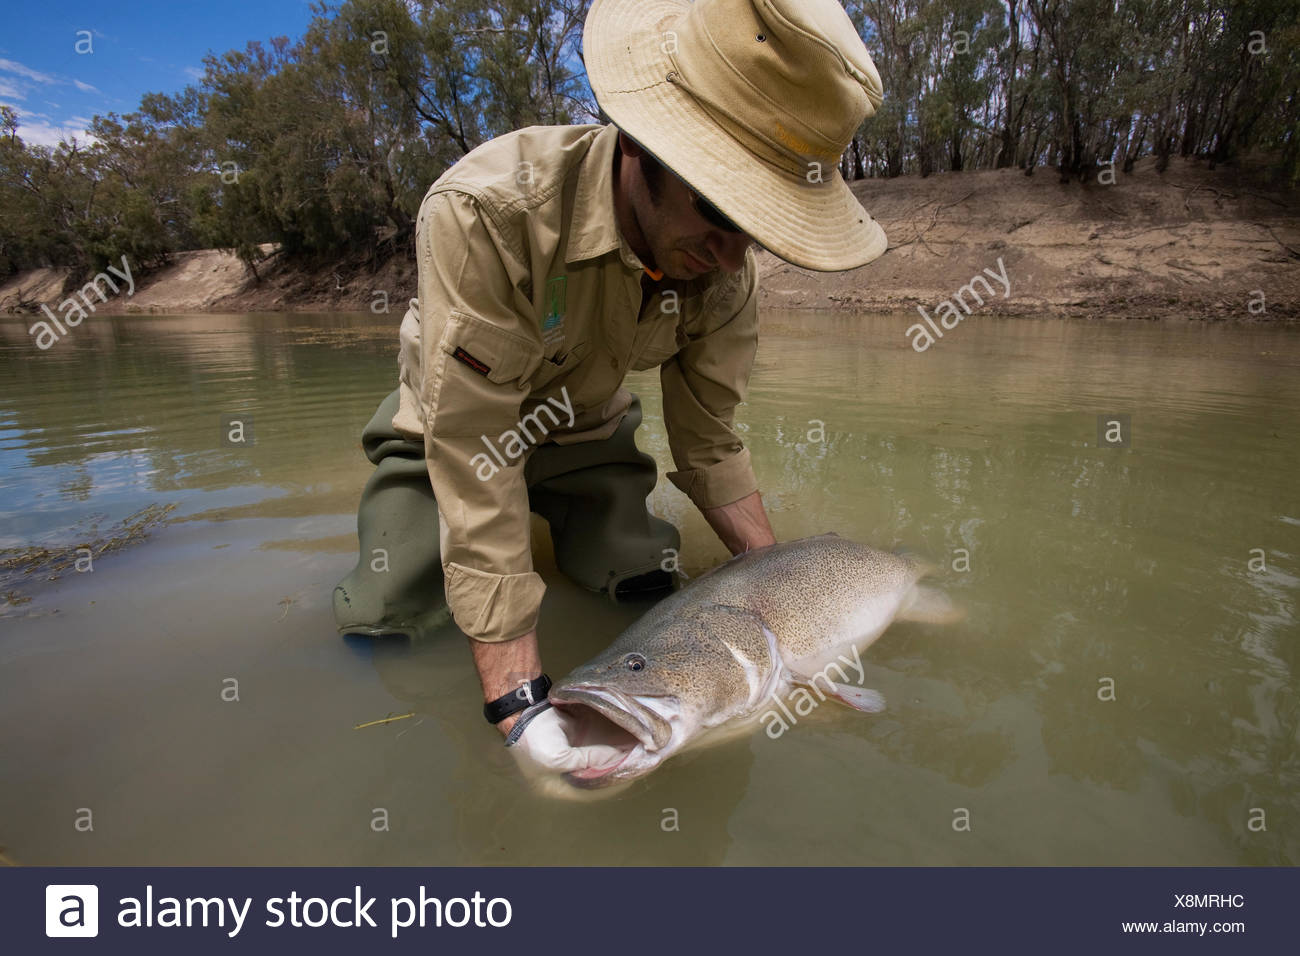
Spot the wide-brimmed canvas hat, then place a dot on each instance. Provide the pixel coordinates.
(752, 103)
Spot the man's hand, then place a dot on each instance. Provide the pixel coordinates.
(546, 743)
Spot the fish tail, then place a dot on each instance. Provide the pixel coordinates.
(931, 606)
(922, 565)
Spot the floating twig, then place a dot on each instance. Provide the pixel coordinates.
(385, 720)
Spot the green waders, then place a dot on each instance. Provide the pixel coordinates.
(592, 494)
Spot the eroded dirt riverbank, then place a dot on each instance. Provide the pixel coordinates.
(1190, 243)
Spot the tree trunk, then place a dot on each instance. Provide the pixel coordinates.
(1010, 130)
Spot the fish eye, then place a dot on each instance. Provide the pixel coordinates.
(634, 662)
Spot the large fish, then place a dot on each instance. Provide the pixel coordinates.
(730, 646)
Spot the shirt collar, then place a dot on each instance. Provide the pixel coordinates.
(593, 228)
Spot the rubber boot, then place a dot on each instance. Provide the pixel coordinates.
(397, 586)
(592, 494)
(605, 539)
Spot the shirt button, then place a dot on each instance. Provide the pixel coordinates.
(613, 362)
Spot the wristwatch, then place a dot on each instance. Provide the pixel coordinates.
(528, 693)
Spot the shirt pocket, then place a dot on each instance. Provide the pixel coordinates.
(553, 367)
(657, 340)
(499, 355)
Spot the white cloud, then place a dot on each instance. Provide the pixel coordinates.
(35, 130)
(193, 72)
(39, 128)
(13, 66)
(18, 90)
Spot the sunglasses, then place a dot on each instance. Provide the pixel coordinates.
(711, 214)
(707, 211)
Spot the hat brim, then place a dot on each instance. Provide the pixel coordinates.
(821, 227)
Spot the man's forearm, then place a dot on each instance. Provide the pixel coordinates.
(742, 525)
(503, 664)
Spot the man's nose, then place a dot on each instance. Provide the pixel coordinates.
(728, 249)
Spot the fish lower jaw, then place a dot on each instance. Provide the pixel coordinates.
(635, 763)
(597, 776)
(611, 727)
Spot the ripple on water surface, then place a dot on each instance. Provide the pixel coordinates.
(1123, 691)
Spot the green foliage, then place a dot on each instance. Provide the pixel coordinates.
(321, 147)
(1076, 83)
(326, 146)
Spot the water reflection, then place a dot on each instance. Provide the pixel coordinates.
(1123, 690)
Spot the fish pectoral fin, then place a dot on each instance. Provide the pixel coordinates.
(861, 699)
(930, 606)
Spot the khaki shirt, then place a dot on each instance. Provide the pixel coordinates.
(528, 292)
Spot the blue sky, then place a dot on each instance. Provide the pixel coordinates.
(137, 48)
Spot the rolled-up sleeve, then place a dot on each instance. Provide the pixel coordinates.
(477, 355)
(702, 384)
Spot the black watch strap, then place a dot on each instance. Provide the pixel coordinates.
(528, 693)
(524, 720)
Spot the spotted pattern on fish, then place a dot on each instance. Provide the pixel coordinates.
(723, 647)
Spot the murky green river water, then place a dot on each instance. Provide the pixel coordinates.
(1124, 689)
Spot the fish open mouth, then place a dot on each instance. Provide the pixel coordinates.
(606, 717)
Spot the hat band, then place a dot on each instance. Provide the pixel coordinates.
(781, 152)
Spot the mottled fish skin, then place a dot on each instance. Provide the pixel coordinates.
(723, 647)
